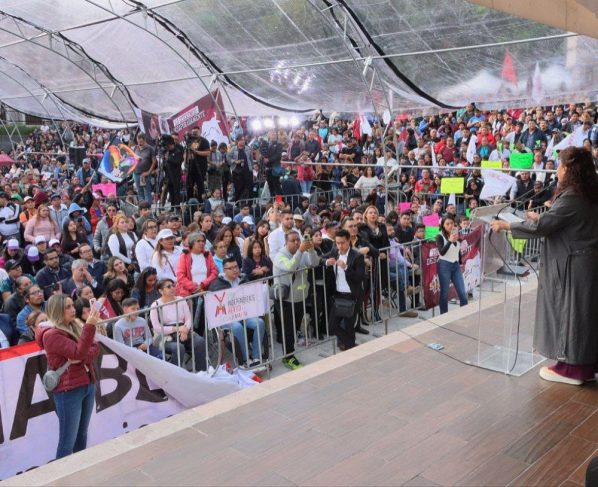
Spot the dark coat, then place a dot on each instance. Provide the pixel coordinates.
(568, 283)
(354, 272)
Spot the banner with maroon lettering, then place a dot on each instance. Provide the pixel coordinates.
(470, 266)
(133, 390)
(207, 114)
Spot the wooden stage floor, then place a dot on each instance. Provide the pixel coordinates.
(401, 415)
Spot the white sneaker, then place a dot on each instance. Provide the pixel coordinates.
(548, 374)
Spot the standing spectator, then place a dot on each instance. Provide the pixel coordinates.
(41, 224)
(449, 262)
(272, 160)
(349, 271)
(293, 256)
(173, 319)
(66, 344)
(305, 172)
(240, 160)
(367, 183)
(198, 151)
(276, 239)
(145, 168)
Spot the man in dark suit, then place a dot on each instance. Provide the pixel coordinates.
(349, 270)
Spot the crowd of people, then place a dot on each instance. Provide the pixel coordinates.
(325, 235)
(60, 237)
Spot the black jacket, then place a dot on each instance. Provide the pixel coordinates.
(221, 283)
(354, 272)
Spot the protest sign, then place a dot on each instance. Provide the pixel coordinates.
(236, 304)
(491, 164)
(496, 183)
(521, 160)
(107, 189)
(452, 185)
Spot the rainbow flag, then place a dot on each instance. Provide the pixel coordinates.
(118, 163)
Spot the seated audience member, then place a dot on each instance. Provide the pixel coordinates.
(133, 330)
(230, 278)
(172, 318)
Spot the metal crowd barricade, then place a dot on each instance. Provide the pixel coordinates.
(129, 208)
(220, 344)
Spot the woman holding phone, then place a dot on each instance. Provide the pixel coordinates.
(66, 341)
(449, 262)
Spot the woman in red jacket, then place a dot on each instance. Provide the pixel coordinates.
(74, 396)
(196, 268)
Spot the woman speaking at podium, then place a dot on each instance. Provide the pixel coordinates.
(566, 312)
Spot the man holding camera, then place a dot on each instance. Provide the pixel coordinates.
(196, 161)
(173, 160)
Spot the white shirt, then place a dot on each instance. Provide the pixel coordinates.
(342, 286)
(114, 246)
(167, 267)
(144, 251)
(199, 269)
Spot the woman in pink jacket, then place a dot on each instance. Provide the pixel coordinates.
(41, 224)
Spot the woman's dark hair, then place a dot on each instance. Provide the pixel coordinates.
(581, 174)
(114, 285)
(444, 219)
(162, 283)
(141, 282)
(80, 305)
(260, 244)
(80, 290)
(220, 235)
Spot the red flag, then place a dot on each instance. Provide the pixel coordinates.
(508, 69)
(356, 127)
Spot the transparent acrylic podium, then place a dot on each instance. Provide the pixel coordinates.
(507, 309)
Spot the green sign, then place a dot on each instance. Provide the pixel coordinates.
(521, 160)
(431, 232)
(452, 185)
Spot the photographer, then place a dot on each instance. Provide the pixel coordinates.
(196, 161)
(240, 160)
(173, 156)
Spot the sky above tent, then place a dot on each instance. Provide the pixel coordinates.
(100, 59)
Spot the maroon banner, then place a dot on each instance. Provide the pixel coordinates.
(470, 266)
(205, 114)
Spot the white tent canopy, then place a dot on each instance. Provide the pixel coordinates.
(99, 59)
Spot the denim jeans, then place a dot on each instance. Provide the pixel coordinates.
(74, 410)
(258, 327)
(401, 274)
(143, 192)
(447, 272)
(306, 186)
